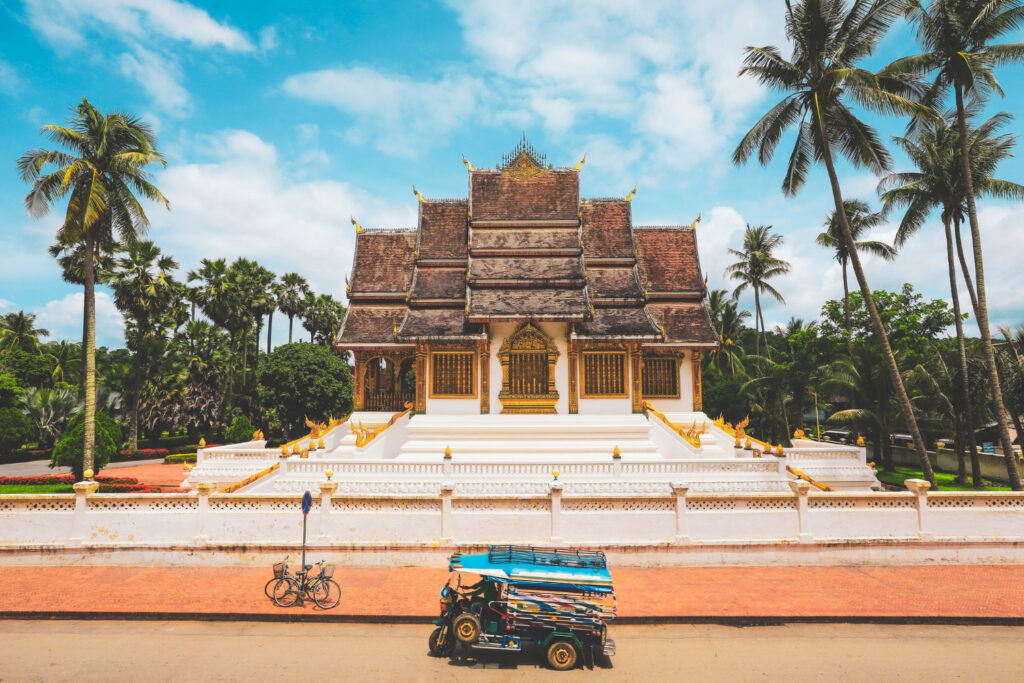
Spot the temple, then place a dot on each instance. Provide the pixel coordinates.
(526, 298)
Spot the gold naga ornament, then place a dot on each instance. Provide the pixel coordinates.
(469, 166)
(629, 197)
(359, 228)
(579, 164)
(416, 192)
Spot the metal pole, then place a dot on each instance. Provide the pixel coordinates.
(304, 542)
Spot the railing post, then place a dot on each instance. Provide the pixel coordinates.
(327, 489)
(682, 531)
(446, 511)
(555, 493)
(919, 487)
(80, 527)
(205, 489)
(801, 488)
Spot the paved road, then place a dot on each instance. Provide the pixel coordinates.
(193, 651)
(34, 468)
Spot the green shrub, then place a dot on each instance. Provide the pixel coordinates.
(240, 431)
(68, 451)
(180, 458)
(304, 380)
(15, 429)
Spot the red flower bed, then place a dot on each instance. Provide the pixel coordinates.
(144, 454)
(67, 479)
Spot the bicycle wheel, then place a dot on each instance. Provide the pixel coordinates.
(327, 594)
(286, 592)
(269, 588)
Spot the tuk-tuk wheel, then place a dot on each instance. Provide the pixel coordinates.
(467, 628)
(562, 655)
(435, 648)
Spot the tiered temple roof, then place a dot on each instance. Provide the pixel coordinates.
(525, 246)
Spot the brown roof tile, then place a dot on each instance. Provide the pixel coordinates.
(443, 228)
(526, 268)
(528, 303)
(668, 259)
(606, 230)
(525, 238)
(619, 322)
(439, 283)
(434, 323)
(552, 195)
(383, 260)
(366, 324)
(613, 283)
(685, 322)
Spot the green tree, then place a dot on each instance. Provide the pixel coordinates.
(69, 451)
(829, 39)
(323, 316)
(100, 174)
(727, 319)
(861, 220)
(143, 283)
(201, 349)
(49, 411)
(66, 359)
(292, 299)
(30, 369)
(240, 431)
(304, 380)
(756, 266)
(957, 37)
(15, 429)
(19, 331)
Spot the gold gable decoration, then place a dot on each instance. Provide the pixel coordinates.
(524, 162)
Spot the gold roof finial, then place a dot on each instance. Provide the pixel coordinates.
(417, 193)
(359, 228)
(694, 225)
(579, 164)
(469, 166)
(394, 323)
(629, 197)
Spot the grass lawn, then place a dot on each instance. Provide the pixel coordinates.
(35, 488)
(944, 480)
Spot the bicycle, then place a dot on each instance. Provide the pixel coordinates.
(280, 572)
(322, 587)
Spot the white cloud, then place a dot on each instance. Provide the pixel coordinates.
(402, 116)
(268, 38)
(65, 21)
(244, 204)
(10, 82)
(160, 77)
(63, 319)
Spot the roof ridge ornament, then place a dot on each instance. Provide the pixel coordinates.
(693, 226)
(579, 164)
(524, 162)
(359, 228)
(417, 193)
(469, 166)
(629, 197)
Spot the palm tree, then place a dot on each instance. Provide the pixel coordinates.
(939, 183)
(727, 320)
(66, 357)
(252, 283)
(956, 37)
(861, 220)
(292, 300)
(756, 266)
(100, 174)
(144, 289)
(273, 297)
(19, 331)
(323, 316)
(829, 39)
(49, 411)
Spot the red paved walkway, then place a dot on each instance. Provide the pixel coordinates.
(167, 477)
(948, 591)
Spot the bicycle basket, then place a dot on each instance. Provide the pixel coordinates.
(328, 571)
(279, 570)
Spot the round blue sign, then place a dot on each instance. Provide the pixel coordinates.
(307, 502)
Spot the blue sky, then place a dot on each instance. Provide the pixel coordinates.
(281, 121)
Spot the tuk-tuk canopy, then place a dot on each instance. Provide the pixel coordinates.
(586, 569)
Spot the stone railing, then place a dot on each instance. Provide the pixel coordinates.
(669, 516)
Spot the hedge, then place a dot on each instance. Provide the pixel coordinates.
(180, 458)
(63, 479)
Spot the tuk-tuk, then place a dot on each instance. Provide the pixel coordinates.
(559, 599)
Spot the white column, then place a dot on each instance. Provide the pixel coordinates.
(327, 489)
(919, 487)
(446, 511)
(204, 489)
(80, 524)
(556, 512)
(801, 488)
(682, 531)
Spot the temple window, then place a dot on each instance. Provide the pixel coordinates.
(604, 374)
(660, 378)
(452, 373)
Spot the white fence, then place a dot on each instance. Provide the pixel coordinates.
(674, 518)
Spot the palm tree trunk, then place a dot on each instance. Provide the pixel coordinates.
(89, 432)
(958, 447)
(965, 392)
(846, 302)
(270, 327)
(81, 371)
(133, 418)
(245, 354)
(289, 328)
(968, 280)
(869, 304)
(982, 313)
(757, 318)
(193, 311)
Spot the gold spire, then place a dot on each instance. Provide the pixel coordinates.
(417, 193)
(579, 164)
(469, 166)
(694, 225)
(629, 197)
(359, 228)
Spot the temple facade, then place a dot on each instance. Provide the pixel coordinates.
(526, 298)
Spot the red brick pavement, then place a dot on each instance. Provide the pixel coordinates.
(167, 477)
(946, 591)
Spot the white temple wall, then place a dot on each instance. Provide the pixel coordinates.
(452, 406)
(683, 404)
(557, 332)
